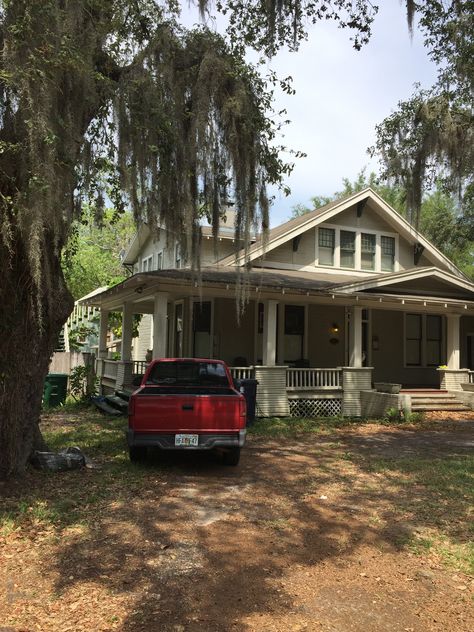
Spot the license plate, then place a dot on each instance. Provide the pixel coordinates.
(186, 439)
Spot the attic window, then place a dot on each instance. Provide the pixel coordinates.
(388, 253)
(367, 255)
(347, 249)
(326, 242)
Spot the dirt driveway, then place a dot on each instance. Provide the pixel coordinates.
(334, 532)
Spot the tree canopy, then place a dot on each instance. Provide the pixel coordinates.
(429, 138)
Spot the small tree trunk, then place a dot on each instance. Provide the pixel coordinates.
(26, 347)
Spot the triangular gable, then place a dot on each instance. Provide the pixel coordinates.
(297, 226)
(416, 281)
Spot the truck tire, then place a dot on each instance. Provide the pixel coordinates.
(137, 454)
(232, 456)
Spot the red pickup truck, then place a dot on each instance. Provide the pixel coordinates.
(187, 404)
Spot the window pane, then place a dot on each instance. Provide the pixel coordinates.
(413, 326)
(433, 327)
(413, 352)
(294, 319)
(327, 237)
(433, 352)
(347, 249)
(367, 256)
(326, 241)
(388, 253)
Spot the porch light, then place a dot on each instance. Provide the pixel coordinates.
(335, 328)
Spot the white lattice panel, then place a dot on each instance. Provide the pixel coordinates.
(315, 407)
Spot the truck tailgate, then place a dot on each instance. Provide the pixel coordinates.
(171, 413)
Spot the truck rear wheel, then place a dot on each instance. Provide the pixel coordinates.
(137, 454)
(232, 456)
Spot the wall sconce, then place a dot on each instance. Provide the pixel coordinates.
(334, 330)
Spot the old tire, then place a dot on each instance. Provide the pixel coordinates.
(137, 454)
(232, 456)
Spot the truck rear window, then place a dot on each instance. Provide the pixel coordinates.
(188, 374)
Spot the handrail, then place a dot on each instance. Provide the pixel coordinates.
(242, 372)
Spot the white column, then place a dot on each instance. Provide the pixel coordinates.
(127, 331)
(269, 333)
(160, 325)
(103, 330)
(280, 351)
(452, 341)
(355, 337)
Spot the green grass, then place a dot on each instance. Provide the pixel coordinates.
(275, 427)
(446, 513)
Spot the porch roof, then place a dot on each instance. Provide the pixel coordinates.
(272, 283)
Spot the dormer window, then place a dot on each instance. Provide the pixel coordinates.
(327, 242)
(147, 264)
(348, 248)
(367, 251)
(177, 256)
(351, 249)
(388, 253)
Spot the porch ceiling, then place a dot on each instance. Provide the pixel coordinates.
(141, 288)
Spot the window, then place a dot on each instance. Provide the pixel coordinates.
(177, 256)
(327, 240)
(147, 264)
(367, 254)
(159, 261)
(423, 340)
(413, 339)
(434, 335)
(347, 249)
(388, 253)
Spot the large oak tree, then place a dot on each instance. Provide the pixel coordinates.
(112, 98)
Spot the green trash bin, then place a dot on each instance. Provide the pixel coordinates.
(55, 389)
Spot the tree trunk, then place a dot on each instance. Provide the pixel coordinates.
(26, 346)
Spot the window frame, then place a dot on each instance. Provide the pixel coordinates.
(148, 262)
(424, 341)
(358, 249)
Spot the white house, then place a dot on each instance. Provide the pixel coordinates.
(338, 299)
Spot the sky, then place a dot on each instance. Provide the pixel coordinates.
(341, 95)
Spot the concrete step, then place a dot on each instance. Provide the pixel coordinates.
(447, 408)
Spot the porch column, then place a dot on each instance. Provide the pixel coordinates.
(103, 329)
(160, 325)
(269, 333)
(355, 337)
(452, 341)
(127, 331)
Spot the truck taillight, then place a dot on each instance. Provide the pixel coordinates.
(243, 408)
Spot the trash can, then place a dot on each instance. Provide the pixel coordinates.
(248, 388)
(55, 389)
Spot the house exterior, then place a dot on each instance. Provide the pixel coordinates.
(338, 299)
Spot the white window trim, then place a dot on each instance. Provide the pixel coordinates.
(358, 240)
(162, 254)
(147, 263)
(423, 364)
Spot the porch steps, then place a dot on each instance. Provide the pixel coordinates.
(425, 400)
(118, 403)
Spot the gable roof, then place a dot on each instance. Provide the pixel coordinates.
(417, 281)
(295, 227)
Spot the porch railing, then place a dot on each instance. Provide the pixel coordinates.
(110, 369)
(242, 372)
(313, 379)
(139, 367)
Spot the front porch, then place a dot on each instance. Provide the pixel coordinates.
(289, 329)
